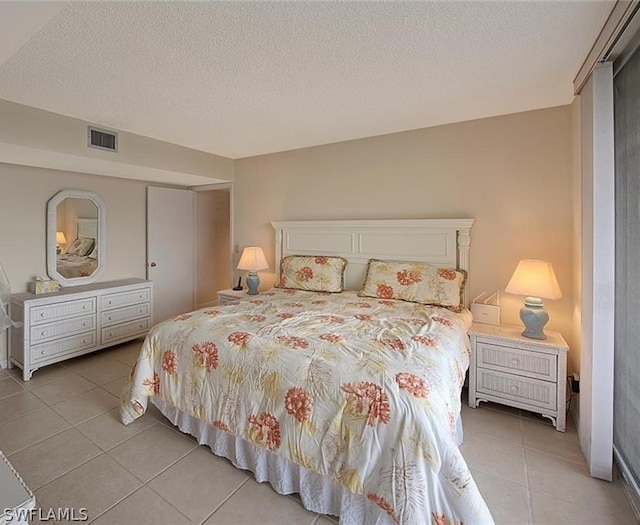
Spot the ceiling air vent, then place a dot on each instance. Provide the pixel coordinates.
(102, 139)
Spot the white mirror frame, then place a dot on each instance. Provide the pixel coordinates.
(52, 259)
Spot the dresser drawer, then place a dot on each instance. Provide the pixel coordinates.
(128, 313)
(52, 312)
(43, 332)
(534, 392)
(515, 361)
(116, 300)
(123, 330)
(68, 345)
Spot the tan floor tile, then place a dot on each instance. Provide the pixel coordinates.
(543, 436)
(30, 429)
(19, 405)
(95, 486)
(507, 501)
(495, 456)
(62, 389)
(104, 371)
(142, 507)
(126, 353)
(5, 372)
(565, 479)
(267, 507)
(44, 375)
(85, 406)
(502, 425)
(198, 483)
(107, 431)
(43, 514)
(9, 387)
(115, 387)
(86, 361)
(45, 461)
(550, 510)
(151, 451)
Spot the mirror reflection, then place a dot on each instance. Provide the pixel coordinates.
(76, 238)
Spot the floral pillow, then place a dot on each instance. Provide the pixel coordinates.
(415, 282)
(81, 246)
(313, 273)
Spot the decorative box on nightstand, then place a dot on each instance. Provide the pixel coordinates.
(513, 370)
(226, 296)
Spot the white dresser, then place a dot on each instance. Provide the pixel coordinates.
(77, 320)
(513, 370)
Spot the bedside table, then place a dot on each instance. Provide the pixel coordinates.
(226, 296)
(513, 370)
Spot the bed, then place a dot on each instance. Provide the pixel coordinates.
(81, 256)
(349, 398)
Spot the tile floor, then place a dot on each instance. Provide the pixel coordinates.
(62, 434)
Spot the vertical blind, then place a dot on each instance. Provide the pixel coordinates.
(626, 421)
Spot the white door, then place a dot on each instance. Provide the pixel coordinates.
(171, 250)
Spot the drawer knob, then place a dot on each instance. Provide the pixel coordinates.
(41, 314)
(84, 306)
(515, 361)
(84, 341)
(110, 318)
(43, 333)
(514, 388)
(42, 352)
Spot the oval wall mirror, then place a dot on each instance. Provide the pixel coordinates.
(76, 240)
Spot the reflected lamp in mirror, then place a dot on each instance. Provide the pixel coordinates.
(537, 280)
(60, 241)
(253, 261)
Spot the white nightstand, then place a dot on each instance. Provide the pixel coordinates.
(226, 296)
(513, 370)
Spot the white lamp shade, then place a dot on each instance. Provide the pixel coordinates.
(535, 278)
(252, 260)
(60, 238)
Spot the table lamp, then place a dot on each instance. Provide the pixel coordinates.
(60, 239)
(253, 261)
(537, 280)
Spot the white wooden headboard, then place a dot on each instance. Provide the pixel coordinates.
(441, 242)
(87, 228)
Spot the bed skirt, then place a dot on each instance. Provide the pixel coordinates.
(318, 493)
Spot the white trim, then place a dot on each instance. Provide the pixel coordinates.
(629, 484)
(52, 258)
(607, 40)
(598, 272)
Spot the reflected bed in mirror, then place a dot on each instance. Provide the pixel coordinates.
(75, 237)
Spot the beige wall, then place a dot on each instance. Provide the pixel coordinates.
(24, 193)
(34, 137)
(213, 244)
(513, 174)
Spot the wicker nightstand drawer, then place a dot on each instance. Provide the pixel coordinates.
(540, 394)
(513, 360)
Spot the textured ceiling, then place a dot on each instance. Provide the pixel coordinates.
(246, 78)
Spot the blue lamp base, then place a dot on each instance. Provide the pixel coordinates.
(253, 281)
(534, 317)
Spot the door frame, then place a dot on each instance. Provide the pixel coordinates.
(232, 250)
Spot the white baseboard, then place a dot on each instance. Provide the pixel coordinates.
(629, 484)
(4, 363)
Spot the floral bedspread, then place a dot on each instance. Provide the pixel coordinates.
(363, 390)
